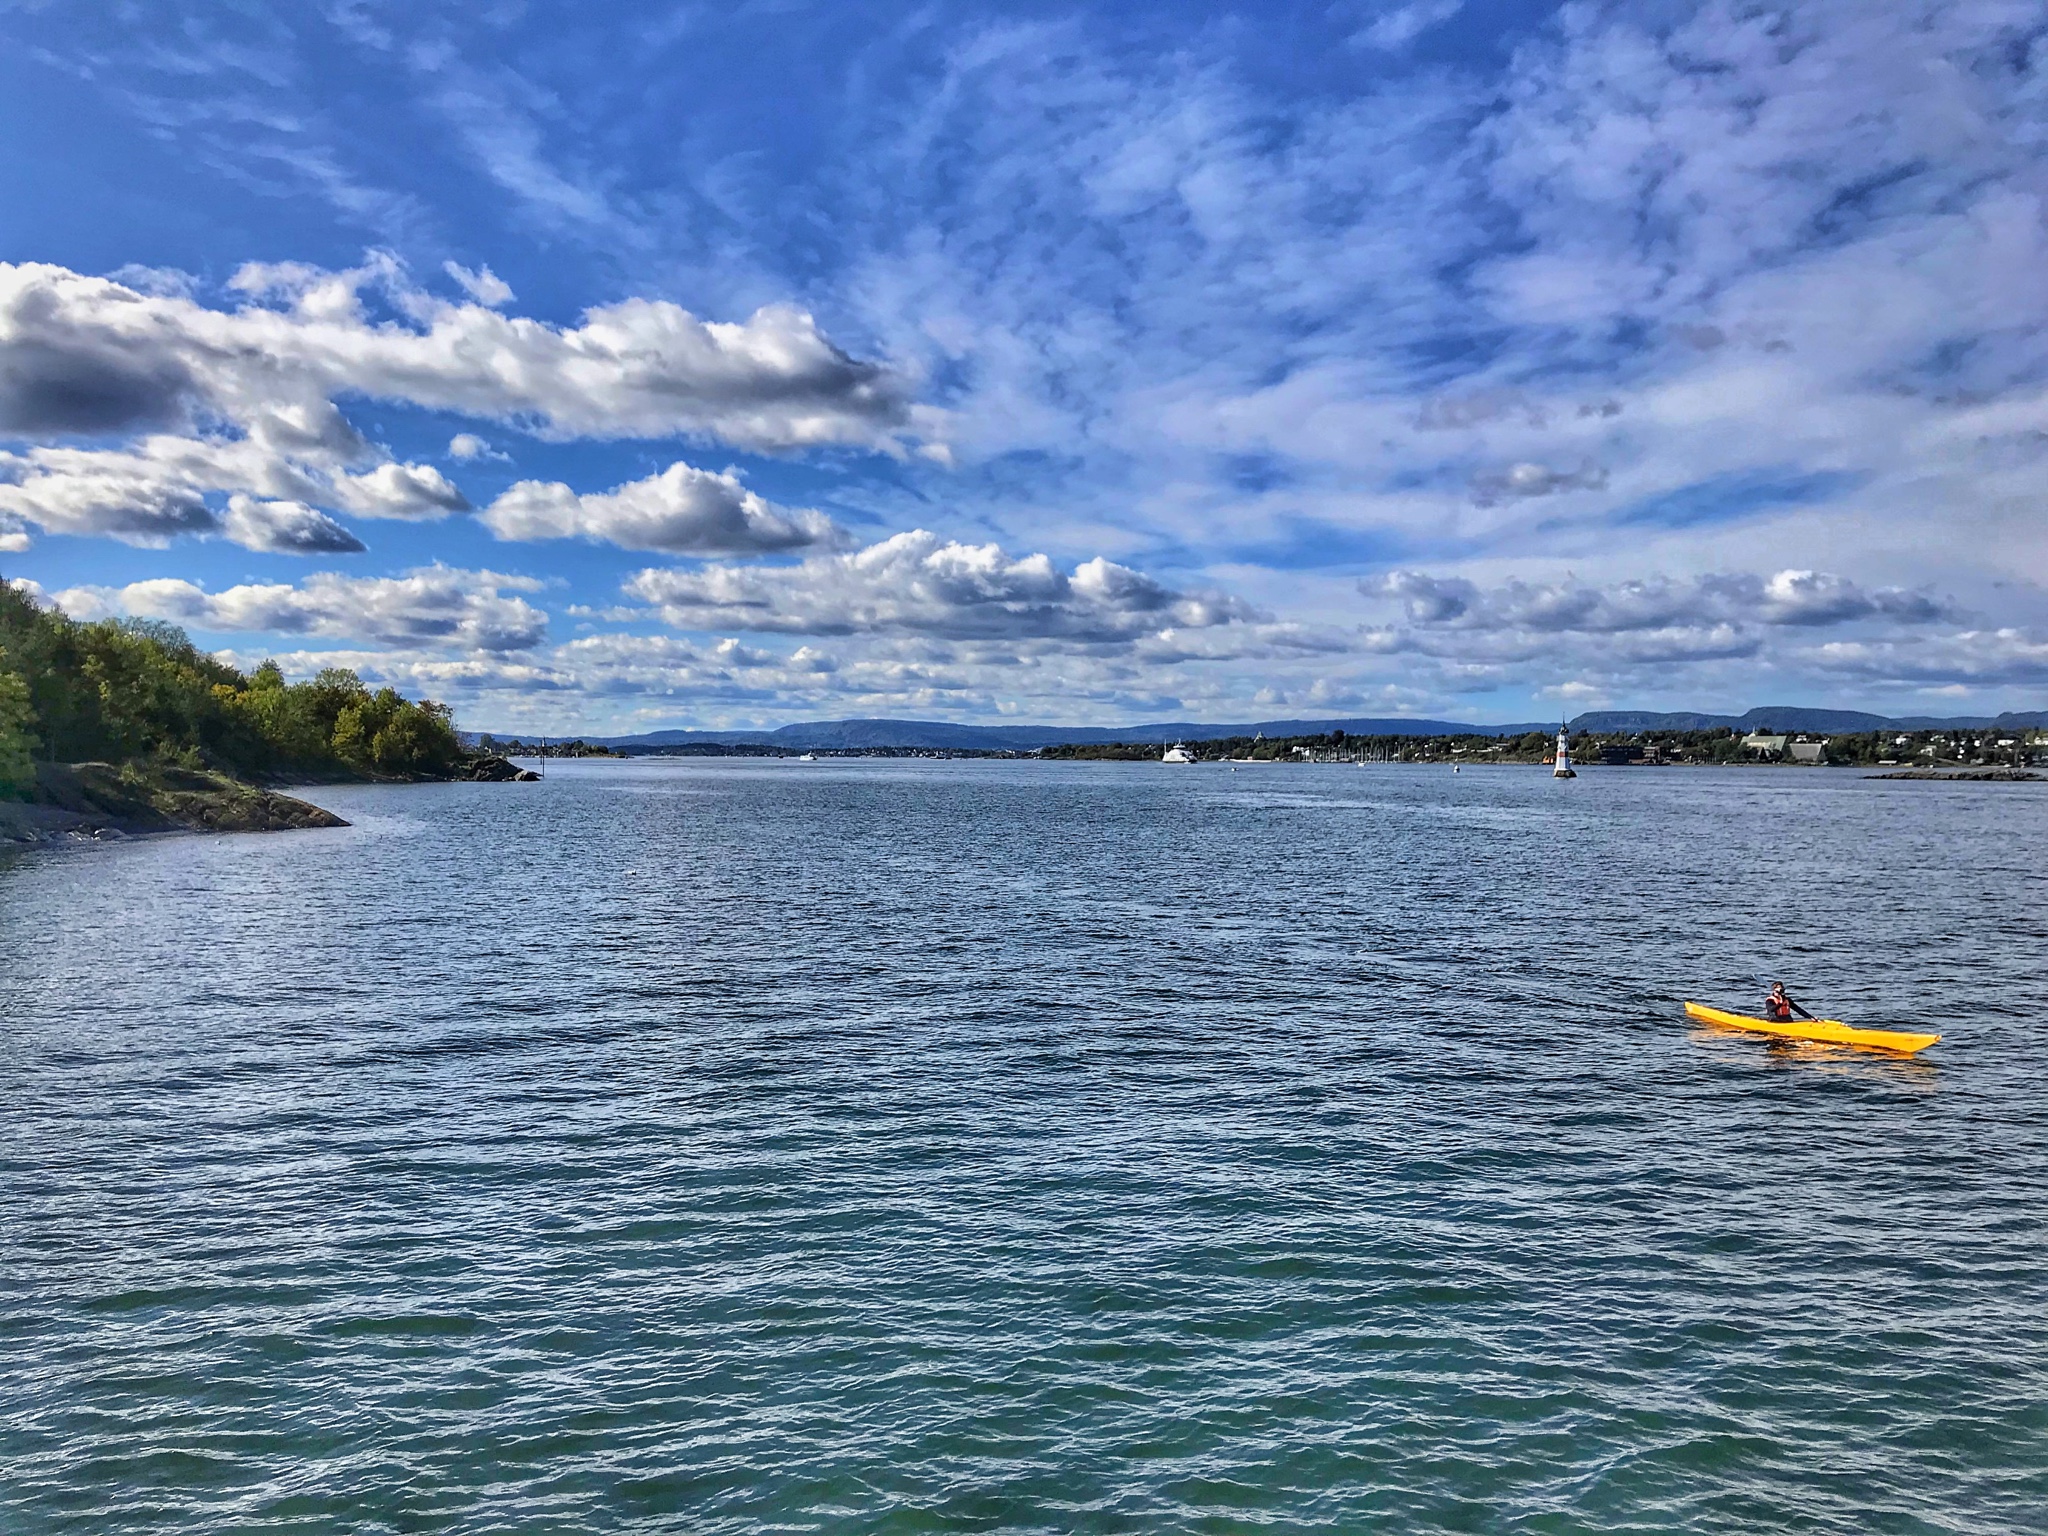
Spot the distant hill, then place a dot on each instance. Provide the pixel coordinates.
(1795, 717)
(856, 735)
(944, 735)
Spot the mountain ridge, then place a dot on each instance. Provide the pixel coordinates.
(942, 735)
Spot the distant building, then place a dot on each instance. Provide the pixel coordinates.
(1809, 751)
(1766, 746)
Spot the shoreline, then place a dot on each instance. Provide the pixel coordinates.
(98, 801)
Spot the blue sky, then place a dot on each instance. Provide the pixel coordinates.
(608, 368)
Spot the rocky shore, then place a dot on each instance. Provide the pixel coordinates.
(1964, 775)
(95, 799)
(105, 799)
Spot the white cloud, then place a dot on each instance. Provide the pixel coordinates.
(119, 497)
(1397, 28)
(1974, 658)
(467, 446)
(682, 510)
(1577, 693)
(155, 490)
(483, 285)
(414, 492)
(436, 606)
(1571, 606)
(86, 355)
(286, 528)
(918, 583)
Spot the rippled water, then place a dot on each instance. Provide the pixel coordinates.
(747, 1147)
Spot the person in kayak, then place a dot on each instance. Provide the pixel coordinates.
(1779, 1008)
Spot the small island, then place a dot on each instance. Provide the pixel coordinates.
(125, 726)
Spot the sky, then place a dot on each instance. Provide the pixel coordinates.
(597, 369)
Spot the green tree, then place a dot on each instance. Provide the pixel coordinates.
(17, 733)
(126, 690)
(348, 740)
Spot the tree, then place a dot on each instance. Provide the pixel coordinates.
(348, 740)
(128, 690)
(17, 736)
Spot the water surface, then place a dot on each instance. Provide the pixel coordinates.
(904, 1146)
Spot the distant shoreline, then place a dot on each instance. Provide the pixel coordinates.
(1960, 774)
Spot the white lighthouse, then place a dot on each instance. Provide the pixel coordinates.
(1564, 769)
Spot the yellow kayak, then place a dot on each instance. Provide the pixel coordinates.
(1834, 1031)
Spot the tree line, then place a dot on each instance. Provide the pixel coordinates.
(139, 691)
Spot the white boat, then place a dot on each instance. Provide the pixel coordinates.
(807, 757)
(1177, 754)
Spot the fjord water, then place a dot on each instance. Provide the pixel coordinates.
(908, 1146)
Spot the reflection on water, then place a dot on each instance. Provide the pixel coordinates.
(1873, 1066)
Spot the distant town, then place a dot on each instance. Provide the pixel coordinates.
(1944, 751)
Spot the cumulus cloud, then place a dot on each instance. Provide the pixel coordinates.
(156, 489)
(86, 355)
(467, 446)
(415, 492)
(118, 497)
(286, 528)
(1813, 597)
(919, 583)
(436, 606)
(682, 510)
(1786, 598)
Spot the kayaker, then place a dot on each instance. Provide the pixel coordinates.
(1779, 1008)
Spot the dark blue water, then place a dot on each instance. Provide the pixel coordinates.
(740, 1147)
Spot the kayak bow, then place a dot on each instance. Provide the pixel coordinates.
(1833, 1031)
